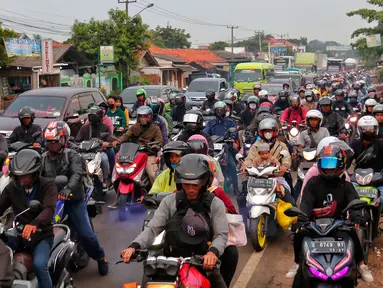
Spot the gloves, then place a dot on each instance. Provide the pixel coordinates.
(28, 231)
(65, 194)
(296, 227)
(358, 218)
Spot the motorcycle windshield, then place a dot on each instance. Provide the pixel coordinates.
(88, 145)
(128, 152)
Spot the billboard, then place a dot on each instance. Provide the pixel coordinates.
(47, 56)
(338, 48)
(22, 47)
(373, 40)
(106, 54)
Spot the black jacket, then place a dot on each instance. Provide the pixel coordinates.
(372, 155)
(184, 136)
(178, 112)
(87, 131)
(282, 105)
(23, 134)
(380, 132)
(208, 105)
(317, 190)
(137, 105)
(70, 164)
(333, 122)
(343, 108)
(247, 116)
(3, 149)
(45, 192)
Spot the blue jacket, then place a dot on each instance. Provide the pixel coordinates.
(220, 127)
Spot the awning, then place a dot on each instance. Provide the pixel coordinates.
(184, 67)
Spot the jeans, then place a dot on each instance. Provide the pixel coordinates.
(112, 159)
(104, 166)
(229, 261)
(232, 170)
(78, 215)
(41, 255)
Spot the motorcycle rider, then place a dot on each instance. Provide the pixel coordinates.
(60, 160)
(28, 185)
(177, 113)
(282, 102)
(301, 94)
(309, 103)
(116, 114)
(153, 103)
(249, 113)
(193, 124)
(24, 132)
(120, 103)
(378, 114)
(166, 116)
(264, 97)
(285, 86)
(340, 106)
(330, 184)
(93, 129)
(362, 88)
(141, 97)
(256, 89)
(331, 120)
(354, 102)
(322, 88)
(210, 100)
(295, 112)
(369, 106)
(172, 153)
(191, 207)
(105, 119)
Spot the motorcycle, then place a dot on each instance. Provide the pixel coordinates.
(308, 158)
(129, 170)
(59, 258)
(327, 261)
(366, 182)
(291, 133)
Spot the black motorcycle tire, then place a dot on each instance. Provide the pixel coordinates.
(294, 164)
(122, 200)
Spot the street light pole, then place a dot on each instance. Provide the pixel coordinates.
(149, 6)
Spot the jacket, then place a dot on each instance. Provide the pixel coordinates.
(161, 183)
(247, 116)
(207, 104)
(275, 150)
(373, 155)
(177, 113)
(343, 108)
(220, 127)
(113, 116)
(126, 112)
(317, 190)
(230, 208)
(45, 192)
(23, 134)
(290, 114)
(70, 164)
(281, 104)
(161, 122)
(333, 122)
(143, 135)
(168, 208)
(169, 120)
(3, 149)
(137, 105)
(106, 121)
(87, 132)
(380, 132)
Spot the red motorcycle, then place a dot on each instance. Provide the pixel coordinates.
(129, 178)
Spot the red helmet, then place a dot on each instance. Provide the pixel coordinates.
(57, 132)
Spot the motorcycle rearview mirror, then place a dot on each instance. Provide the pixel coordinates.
(35, 206)
(36, 135)
(294, 211)
(61, 180)
(355, 204)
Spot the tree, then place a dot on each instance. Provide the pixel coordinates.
(172, 37)
(127, 35)
(370, 15)
(4, 34)
(219, 45)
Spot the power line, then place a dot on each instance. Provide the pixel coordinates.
(44, 29)
(35, 19)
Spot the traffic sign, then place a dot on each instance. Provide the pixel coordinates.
(279, 49)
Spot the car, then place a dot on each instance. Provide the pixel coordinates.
(49, 104)
(296, 76)
(293, 86)
(196, 91)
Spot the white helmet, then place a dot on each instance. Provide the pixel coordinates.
(263, 94)
(370, 102)
(368, 123)
(333, 141)
(314, 114)
(362, 82)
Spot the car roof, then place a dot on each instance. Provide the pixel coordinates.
(151, 87)
(58, 91)
(210, 79)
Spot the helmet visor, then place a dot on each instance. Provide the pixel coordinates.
(328, 163)
(191, 118)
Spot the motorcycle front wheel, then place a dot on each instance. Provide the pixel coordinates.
(258, 232)
(122, 200)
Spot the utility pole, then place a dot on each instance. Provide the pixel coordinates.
(259, 34)
(127, 4)
(232, 36)
(281, 36)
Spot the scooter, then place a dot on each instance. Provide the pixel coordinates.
(128, 175)
(327, 261)
(307, 157)
(366, 182)
(60, 255)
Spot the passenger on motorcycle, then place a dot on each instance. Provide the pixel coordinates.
(105, 119)
(249, 113)
(309, 103)
(161, 112)
(301, 94)
(362, 88)
(153, 103)
(24, 132)
(340, 105)
(331, 120)
(354, 102)
(378, 114)
(144, 132)
(264, 97)
(322, 88)
(265, 158)
(191, 209)
(60, 160)
(141, 97)
(93, 129)
(28, 185)
(257, 88)
(172, 153)
(120, 103)
(171, 103)
(177, 113)
(314, 133)
(332, 193)
(116, 114)
(294, 113)
(193, 124)
(369, 106)
(210, 100)
(262, 113)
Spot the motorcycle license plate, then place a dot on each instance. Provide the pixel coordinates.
(260, 183)
(89, 156)
(367, 192)
(324, 247)
(218, 146)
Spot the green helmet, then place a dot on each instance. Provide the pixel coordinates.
(220, 104)
(141, 91)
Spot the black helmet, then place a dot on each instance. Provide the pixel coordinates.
(104, 105)
(193, 169)
(180, 99)
(339, 92)
(324, 101)
(95, 115)
(284, 93)
(26, 112)
(331, 162)
(210, 94)
(25, 162)
(178, 147)
(193, 121)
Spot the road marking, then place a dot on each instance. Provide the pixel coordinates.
(249, 269)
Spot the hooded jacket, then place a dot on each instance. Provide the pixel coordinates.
(113, 116)
(161, 183)
(290, 114)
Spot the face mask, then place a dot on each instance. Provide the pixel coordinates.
(268, 135)
(227, 114)
(173, 166)
(253, 106)
(309, 99)
(111, 106)
(368, 136)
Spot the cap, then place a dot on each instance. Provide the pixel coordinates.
(264, 147)
(194, 228)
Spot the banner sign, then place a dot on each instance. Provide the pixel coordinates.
(106, 54)
(22, 47)
(338, 48)
(373, 40)
(47, 56)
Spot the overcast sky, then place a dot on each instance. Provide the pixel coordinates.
(323, 20)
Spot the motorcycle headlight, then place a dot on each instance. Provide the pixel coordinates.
(121, 170)
(248, 145)
(259, 191)
(301, 175)
(364, 180)
(354, 119)
(294, 132)
(309, 156)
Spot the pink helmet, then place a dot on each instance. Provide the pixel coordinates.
(198, 144)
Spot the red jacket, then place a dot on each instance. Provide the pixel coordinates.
(291, 114)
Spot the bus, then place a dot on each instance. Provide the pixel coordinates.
(247, 74)
(334, 65)
(284, 62)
